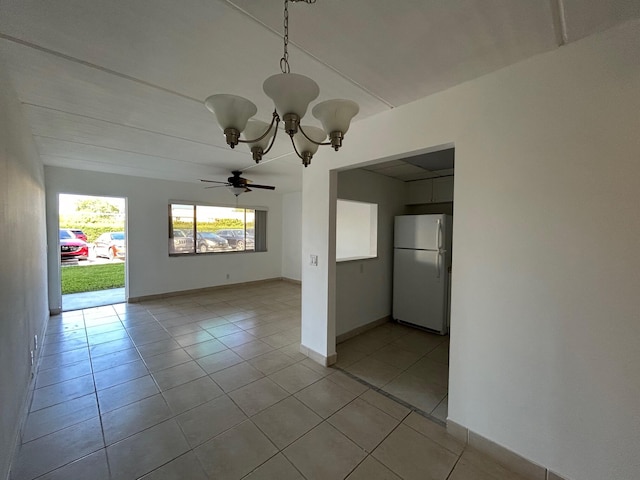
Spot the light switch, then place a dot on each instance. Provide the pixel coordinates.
(314, 260)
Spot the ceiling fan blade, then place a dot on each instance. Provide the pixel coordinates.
(212, 181)
(236, 181)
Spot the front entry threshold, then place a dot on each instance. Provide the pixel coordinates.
(78, 301)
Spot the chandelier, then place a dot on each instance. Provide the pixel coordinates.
(291, 94)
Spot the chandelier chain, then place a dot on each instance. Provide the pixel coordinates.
(284, 61)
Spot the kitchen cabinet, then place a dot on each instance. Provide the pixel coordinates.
(442, 190)
(432, 190)
(420, 191)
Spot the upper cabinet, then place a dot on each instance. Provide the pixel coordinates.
(442, 190)
(432, 190)
(420, 191)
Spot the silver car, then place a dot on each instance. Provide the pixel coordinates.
(111, 245)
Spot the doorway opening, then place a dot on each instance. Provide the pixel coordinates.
(93, 251)
(405, 358)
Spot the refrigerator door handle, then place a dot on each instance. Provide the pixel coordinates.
(441, 252)
(439, 246)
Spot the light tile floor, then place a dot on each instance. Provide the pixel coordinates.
(213, 386)
(410, 364)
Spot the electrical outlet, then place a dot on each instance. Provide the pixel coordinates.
(228, 276)
(314, 260)
(32, 357)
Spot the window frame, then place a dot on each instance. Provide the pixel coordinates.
(368, 218)
(194, 232)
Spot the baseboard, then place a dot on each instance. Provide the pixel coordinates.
(343, 337)
(554, 476)
(509, 459)
(458, 431)
(291, 280)
(318, 357)
(195, 291)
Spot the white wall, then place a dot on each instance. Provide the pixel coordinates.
(292, 235)
(364, 287)
(545, 333)
(23, 266)
(319, 194)
(150, 270)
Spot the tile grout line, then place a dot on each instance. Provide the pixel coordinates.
(95, 389)
(368, 454)
(91, 363)
(60, 429)
(325, 420)
(389, 343)
(393, 397)
(455, 465)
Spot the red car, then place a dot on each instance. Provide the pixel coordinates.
(79, 234)
(72, 247)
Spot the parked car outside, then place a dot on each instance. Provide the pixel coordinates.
(210, 242)
(111, 245)
(237, 238)
(71, 246)
(182, 242)
(79, 234)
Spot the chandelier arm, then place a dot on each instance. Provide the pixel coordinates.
(311, 139)
(295, 149)
(275, 134)
(273, 119)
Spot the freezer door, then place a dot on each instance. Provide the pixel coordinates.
(420, 284)
(422, 232)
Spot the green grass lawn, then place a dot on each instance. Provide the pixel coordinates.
(77, 279)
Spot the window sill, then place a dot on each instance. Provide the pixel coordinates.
(200, 254)
(354, 259)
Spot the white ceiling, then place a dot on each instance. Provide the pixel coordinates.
(117, 86)
(419, 167)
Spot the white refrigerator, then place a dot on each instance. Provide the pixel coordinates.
(421, 271)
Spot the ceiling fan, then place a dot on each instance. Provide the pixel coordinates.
(238, 184)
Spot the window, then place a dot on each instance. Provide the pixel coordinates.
(356, 230)
(196, 229)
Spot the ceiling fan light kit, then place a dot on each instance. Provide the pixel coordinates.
(291, 94)
(238, 190)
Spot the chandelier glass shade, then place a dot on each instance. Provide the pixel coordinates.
(291, 94)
